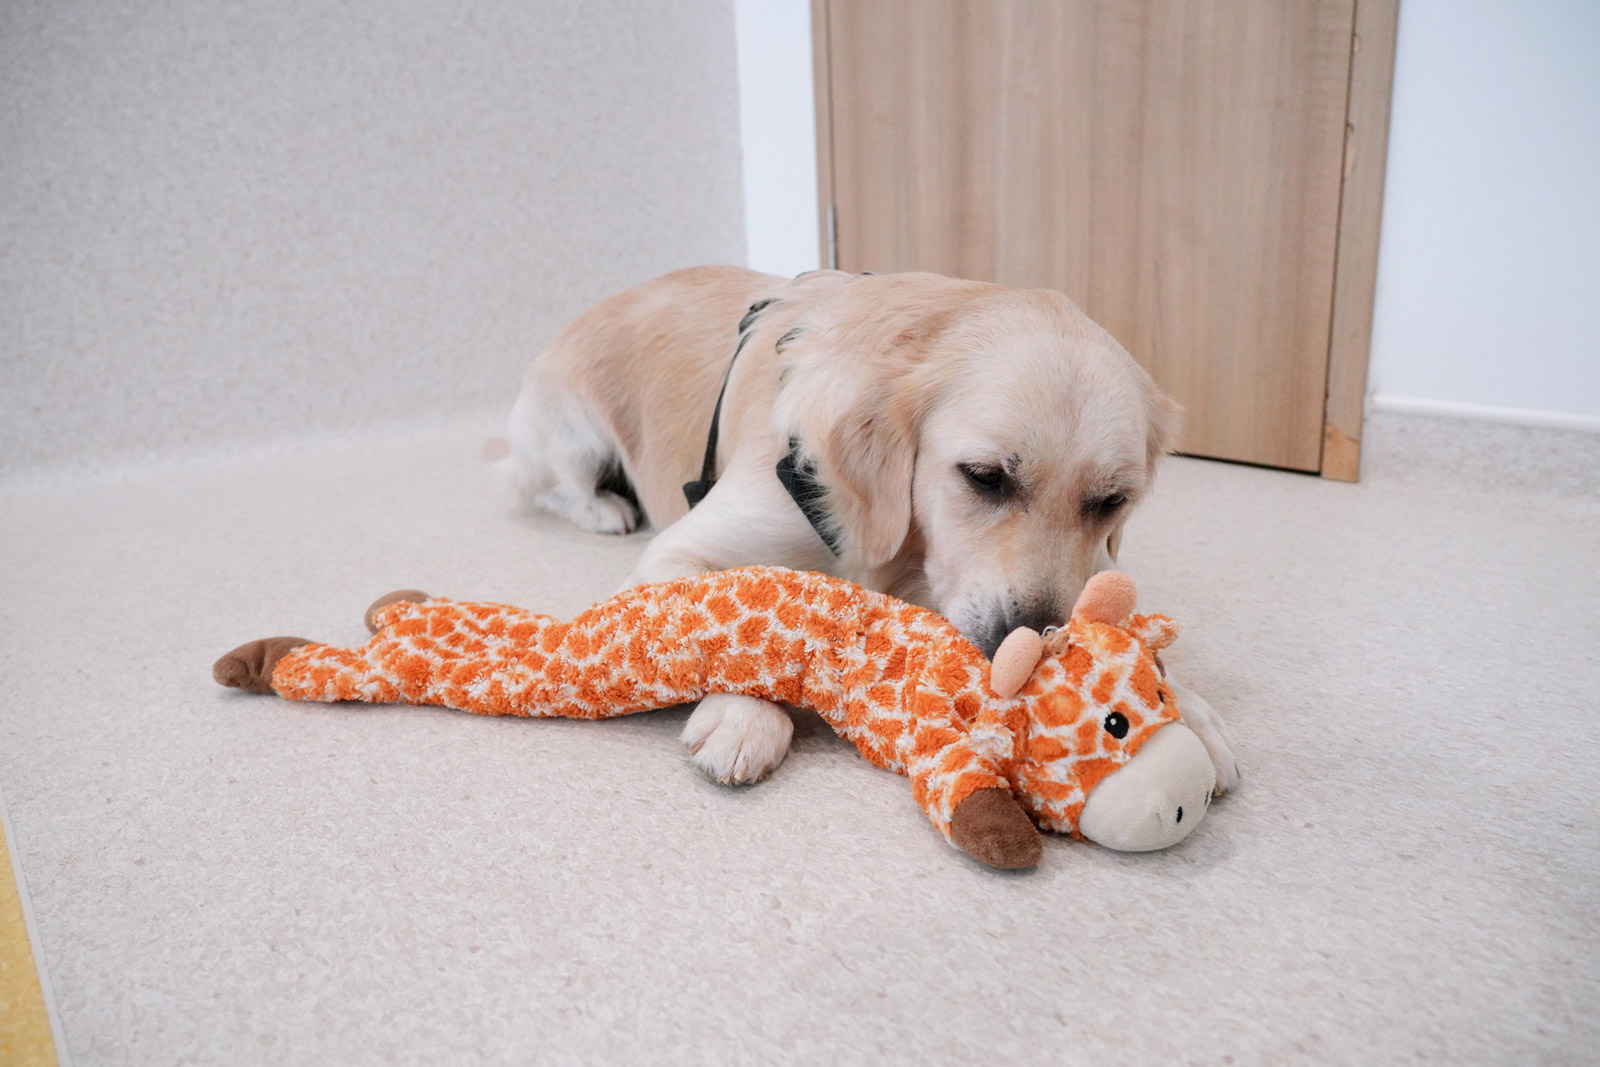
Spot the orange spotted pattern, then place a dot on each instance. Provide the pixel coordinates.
(897, 681)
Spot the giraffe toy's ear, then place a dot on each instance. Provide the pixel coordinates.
(1157, 631)
(1014, 661)
(1109, 597)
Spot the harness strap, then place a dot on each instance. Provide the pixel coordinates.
(696, 491)
(798, 479)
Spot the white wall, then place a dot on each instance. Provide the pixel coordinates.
(777, 125)
(223, 220)
(1489, 276)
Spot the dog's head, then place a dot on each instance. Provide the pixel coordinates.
(996, 436)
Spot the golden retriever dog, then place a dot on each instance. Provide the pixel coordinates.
(969, 447)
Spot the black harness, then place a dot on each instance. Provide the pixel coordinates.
(799, 479)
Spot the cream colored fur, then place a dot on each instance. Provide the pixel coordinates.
(898, 387)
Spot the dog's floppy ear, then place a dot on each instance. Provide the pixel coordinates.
(1114, 543)
(853, 395)
(1163, 418)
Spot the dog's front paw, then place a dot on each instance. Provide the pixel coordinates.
(1223, 760)
(737, 739)
(1202, 718)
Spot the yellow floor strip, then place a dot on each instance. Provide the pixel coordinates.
(24, 1023)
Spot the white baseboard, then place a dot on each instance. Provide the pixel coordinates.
(1455, 409)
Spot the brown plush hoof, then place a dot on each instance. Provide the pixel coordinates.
(249, 666)
(410, 596)
(991, 827)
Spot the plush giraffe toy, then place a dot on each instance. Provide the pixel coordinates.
(1076, 727)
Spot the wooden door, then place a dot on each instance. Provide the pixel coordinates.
(1174, 166)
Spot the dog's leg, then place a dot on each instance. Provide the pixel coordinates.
(737, 740)
(745, 519)
(1202, 718)
(564, 458)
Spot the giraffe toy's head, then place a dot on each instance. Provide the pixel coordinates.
(1102, 753)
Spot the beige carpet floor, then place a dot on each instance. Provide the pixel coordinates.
(1410, 870)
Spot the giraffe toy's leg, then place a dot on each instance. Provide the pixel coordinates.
(423, 651)
(991, 827)
(399, 596)
(250, 666)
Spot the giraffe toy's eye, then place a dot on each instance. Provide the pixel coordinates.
(1117, 725)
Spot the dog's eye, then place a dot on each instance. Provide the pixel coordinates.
(1103, 507)
(1117, 725)
(989, 481)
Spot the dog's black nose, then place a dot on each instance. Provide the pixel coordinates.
(1035, 613)
(989, 635)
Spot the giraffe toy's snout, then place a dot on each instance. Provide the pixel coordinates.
(1156, 799)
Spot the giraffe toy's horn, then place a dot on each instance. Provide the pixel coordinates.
(1014, 661)
(1109, 597)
